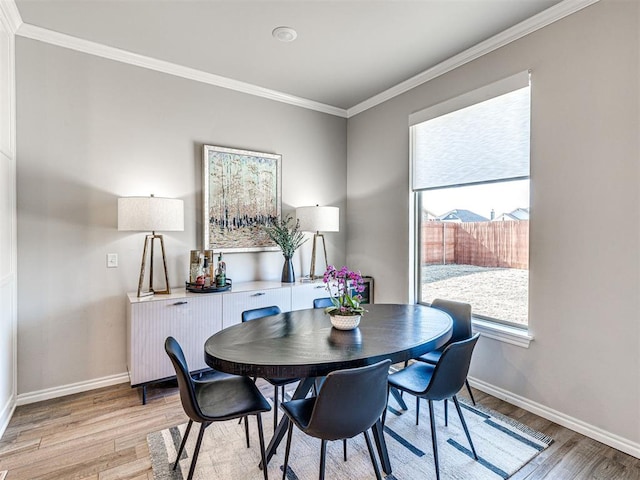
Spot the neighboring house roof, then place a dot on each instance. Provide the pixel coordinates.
(515, 215)
(521, 213)
(461, 215)
(428, 215)
(505, 217)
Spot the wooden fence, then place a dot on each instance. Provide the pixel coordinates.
(485, 244)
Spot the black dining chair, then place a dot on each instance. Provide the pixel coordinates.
(325, 302)
(278, 383)
(322, 302)
(225, 398)
(349, 403)
(439, 382)
(461, 314)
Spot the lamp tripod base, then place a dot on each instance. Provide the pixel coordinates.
(148, 245)
(312, 271)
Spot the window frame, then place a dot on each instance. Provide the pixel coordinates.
(496, 329)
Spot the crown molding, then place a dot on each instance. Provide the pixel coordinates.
(550, 15)
(10, 16)
(67, 41)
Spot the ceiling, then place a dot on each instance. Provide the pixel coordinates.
(346, 52)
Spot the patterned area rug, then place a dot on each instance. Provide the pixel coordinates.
(503, 446)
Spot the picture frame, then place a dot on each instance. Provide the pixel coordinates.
(242, 193)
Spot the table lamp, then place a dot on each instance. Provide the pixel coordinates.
(151, 214)
(318, 219)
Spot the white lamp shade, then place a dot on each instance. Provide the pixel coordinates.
(150, 214)
(318, 219)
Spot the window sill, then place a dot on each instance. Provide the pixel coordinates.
(502, 333)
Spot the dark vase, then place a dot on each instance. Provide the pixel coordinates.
(288, 276)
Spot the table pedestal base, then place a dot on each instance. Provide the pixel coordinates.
(399, 399)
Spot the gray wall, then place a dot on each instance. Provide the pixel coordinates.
(584, 363)
(91, 130)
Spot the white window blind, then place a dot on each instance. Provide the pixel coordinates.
(478, 137)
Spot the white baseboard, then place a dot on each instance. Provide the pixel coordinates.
(6, 414)
(55, 392)
(608, 438)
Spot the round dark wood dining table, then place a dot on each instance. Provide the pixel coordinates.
(303, 344)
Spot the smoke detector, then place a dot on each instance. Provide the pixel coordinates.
(284, 34)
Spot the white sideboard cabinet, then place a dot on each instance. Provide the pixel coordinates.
(191, 318)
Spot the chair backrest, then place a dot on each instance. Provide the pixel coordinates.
(349, 402)
(461, 315)
(451, 370)
(322, 302)
(260, 312)
(185, 382)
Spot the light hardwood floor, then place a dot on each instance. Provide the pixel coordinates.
(102, 435)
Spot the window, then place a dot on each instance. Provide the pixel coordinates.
(470, 177)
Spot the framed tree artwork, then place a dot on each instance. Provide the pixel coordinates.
(242, 194)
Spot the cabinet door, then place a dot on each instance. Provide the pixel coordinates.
(235, 303)
(190, 320)
(303, 295)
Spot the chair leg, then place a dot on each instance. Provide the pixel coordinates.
(466, 382)
(464, 425)
(183, 443)
(434, 439)
(275, 412)
(246, 429)
(406, 363)
(275, 408)
(446, 412)
(197, 450)
(372, 455)
(384, 412)
(344, 449)
(323, 457)
(263, 455)
(417, 410)
(287, 450)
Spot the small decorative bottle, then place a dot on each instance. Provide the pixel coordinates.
(194, 266)
(221, 272)
(200, 271)
(206, 272)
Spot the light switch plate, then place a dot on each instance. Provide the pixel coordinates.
(112, 260)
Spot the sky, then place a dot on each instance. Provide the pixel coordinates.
(502, 197)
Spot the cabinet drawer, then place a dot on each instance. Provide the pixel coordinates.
(234, 304)
(302, 296)
(190, 320)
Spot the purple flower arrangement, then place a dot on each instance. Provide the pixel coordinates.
(345, 287)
